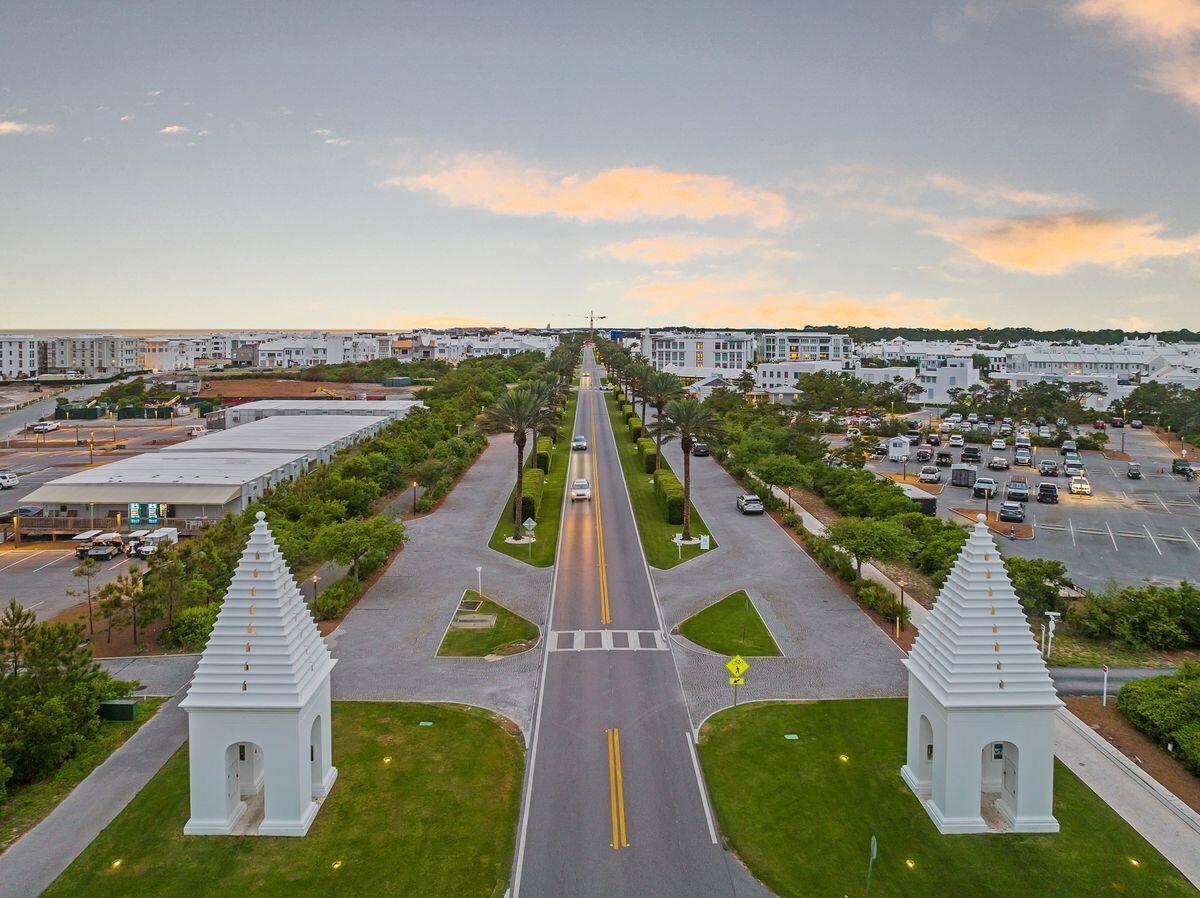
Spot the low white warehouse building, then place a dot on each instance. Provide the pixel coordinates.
(392, 409)
(160, 485)
(317, 436)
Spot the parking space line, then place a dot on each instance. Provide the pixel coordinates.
(1162, 503)
(48, 563)
(1071, 527)
(19, 560)
(117, 565)
(1193, 539)
(1152, 539)
(1111, 536)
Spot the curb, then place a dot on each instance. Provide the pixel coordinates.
(1143, 779)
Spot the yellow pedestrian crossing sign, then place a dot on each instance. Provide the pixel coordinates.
(737, 665)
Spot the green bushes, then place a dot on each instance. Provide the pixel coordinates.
(669, 491)
(882, 601)
(332, 600)
(635, 427)
(532, 483)
(1167, 709)
(831, 558)
(938, 543)
(1155, 617)
(191, 627)
(545, 446)
(648, 453)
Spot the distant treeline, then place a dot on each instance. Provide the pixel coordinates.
(985, 335)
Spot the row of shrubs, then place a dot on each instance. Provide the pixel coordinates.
(1167, 709)
(1149, 616)
(669, 492)
(648, 453)
(545, 447)
(533, 481)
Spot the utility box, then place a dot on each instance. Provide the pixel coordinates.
(397, 382)
(963, 475)
(118, 709)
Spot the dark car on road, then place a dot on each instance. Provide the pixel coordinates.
(1048, 467)
(700, 450)
(1048, 493)
(749, 504)
(972, 454)
(1134, 471)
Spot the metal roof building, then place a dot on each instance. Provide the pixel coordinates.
(392, 409)
(319, 437)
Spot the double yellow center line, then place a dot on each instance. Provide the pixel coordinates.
(616, 790)
(605, 607)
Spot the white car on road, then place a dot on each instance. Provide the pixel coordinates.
(43, 426)
(8, 480)
(581, 490)
(1080, 486)
(999, 444)
(578, 444)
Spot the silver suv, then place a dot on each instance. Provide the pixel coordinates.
(749, 504)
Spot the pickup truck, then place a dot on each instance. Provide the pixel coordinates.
(1017, 490)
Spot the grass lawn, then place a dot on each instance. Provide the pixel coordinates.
(511, 634)
(541, 554)
(731, 626)
(653, 527)
(802, 819)
(440, 819)
(25, 806)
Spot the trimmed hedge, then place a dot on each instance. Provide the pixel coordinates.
(648, 452)
(332, 600)
(545, 446)
(532, 483)
(635, 427)
(881, 601)
(191, 627)
(669, 491)
(1167, 709)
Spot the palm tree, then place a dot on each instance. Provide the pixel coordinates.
(547, 397)
(639, 373)
(516, 412)
(692, 421)
(662, 387)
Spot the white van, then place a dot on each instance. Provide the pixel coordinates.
(163, 536)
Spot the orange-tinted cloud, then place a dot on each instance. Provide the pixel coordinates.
(1052, 244)
(677, 248)
(503, 185)
(988, 195)
(1168, 30)
(9, 127)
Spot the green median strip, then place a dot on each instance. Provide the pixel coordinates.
(800, 813)
(653, 527)
(731, 626)
(470, 634)
(541, 552)
(416, 810)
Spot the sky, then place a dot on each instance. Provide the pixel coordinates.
(750, 164)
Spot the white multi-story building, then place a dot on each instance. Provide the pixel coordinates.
(301, 352)
(785, 374)
(804, 346)
(168, 353)
(455, 347)
(18, 356)
(700, 353)
(90, 355)
(937, 378)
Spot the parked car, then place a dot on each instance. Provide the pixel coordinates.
(999, 444)
(43, 426)
(972, 454)
(578, 444)
(1098, 425)
(1118, 422)
(1134, 471)
(935, 440)
(1136, 424)
(914, 437)
(998, 463)
(1017, 491)
(973, 418)
(1080, 486)
(166, 536)
(1074, 469)
(930, 474)
(1048, 493)
(1181, 466)
(1062, 423)
(1048, 467)
(9, 480)
(700, 450)
(956, 441)
(1012, 512)
(197, 430)
(581, 490)
(749, 503)
(1043, 433)
(944, 459)
(985, 487)
(1006, 430)
(1067, 447)
(1023, 457)
(989, 419)
(923, 453)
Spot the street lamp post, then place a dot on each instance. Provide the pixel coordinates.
(314, 580)
(414, 489)
(479, 574)
(904, 468)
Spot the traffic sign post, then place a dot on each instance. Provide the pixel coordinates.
(1104, 693)
(737, 667)
(529, 524)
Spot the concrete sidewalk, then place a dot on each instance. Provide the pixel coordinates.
(38, 857)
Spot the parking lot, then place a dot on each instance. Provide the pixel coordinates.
(1127, 531)
(39, 576)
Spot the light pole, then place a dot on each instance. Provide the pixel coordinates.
(479, 574)
(904, 468)
(414, 489)
(91, 447)
(1053, 617)
(314, 580)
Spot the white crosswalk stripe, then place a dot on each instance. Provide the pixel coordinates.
(607, 641)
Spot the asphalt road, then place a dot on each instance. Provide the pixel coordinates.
(614, 803)
(14, 422)
(1090, 680)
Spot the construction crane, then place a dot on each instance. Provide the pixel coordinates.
(592, 318)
